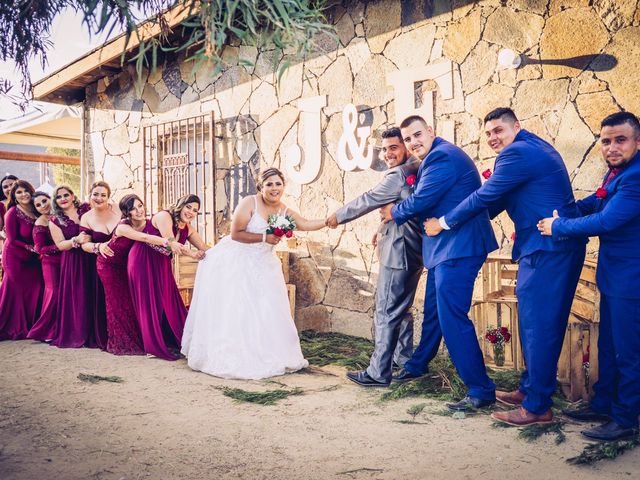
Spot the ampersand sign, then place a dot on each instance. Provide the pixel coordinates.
(355, 139)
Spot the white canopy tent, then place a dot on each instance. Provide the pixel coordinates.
(48, 125)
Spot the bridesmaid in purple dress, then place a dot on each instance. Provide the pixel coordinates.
(77, 272)
(5, 189)
(122, 325)
(99, 223)
(46, 326)
(21, 289)
(159, 308)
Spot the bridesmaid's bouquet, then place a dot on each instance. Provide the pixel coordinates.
(281, 225)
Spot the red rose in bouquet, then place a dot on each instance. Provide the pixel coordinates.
(281, 225)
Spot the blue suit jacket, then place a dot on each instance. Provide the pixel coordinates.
(446, 176)
(616, 220)
(529, 180)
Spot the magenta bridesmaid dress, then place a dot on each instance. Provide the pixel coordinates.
(21, 289)
(159, 308)
(76, 292)
(99, 312)
(46, 326)
(123, 330)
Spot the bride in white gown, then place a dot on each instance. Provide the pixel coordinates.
(239, 323)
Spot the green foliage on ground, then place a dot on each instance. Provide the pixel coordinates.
(270, 397)
(336, 348)
(595, 452)
(91, 378)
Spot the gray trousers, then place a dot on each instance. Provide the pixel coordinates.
(393, 322)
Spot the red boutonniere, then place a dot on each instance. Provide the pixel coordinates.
(486, 174)
(601, 193)
(411, 180)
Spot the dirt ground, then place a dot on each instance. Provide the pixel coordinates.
(168, 422)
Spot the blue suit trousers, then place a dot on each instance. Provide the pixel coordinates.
(617, 391)
(545, 288)
(450, 287)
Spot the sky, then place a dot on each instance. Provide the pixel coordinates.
(70, 40)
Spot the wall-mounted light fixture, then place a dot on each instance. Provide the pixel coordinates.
(508, 59)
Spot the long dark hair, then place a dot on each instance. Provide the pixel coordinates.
(56, 208)
(40, 193)
(126, 205)
(176, 210)
(6, 177)
(27, 186)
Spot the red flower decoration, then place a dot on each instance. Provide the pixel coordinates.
(504, 330)
(411, 179)
(513, 237)
(278, 232)
(601, 193)
(487, 173)
(289, 234)
(492, 338)
(506, 336)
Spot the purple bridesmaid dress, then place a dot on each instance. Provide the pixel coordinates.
(99, 312)
(122, 326)
(76, 292)
(21, 289)
(159, 308)
(46, 326)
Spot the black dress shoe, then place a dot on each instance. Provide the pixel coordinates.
(362, 378)
(469, 403)
(586, 414)
(609, 432)
(406, 376)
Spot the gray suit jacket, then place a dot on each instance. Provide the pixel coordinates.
(399, 246)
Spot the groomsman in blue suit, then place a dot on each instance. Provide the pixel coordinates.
(529, 181)
(446, 176)
(613, 214)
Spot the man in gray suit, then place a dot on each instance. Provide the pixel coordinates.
(400, 255)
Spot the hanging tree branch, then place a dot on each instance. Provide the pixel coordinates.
(210, 24)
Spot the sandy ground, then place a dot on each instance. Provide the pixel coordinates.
(168, 422)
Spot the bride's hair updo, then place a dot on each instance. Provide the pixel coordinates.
(269, 172)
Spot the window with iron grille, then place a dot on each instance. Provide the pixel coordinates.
(179, 160)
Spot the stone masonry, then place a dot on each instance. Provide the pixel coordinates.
(581, 61)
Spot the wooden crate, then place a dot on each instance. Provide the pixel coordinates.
(184, 271)
(578, 364)
(495, 304)
(291, 291)
(284, 259)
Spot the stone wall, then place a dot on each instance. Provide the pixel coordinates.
(582, 57)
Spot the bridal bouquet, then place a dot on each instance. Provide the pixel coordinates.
(281, 225)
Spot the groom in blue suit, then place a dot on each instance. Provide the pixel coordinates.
(529, 181)
(613, 214)
(446, 176)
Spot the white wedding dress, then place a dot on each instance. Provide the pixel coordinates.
(239, 323)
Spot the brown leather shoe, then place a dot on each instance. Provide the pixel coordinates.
(520, 417)
(514, 398)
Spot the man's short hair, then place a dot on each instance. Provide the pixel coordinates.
(620, 118)
(392, 132)
(412, 118)
(504, 113)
